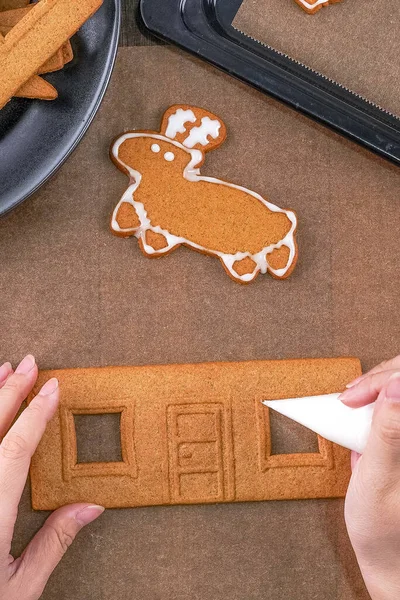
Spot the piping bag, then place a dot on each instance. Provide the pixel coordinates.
(327, 416)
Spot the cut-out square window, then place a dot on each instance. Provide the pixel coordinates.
(98, 441)
(283, 443)
(289, 437)
(98, 438)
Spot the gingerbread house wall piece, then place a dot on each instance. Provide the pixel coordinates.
(194, 433)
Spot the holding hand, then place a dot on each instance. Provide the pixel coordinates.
(372, 507)
(24, 578)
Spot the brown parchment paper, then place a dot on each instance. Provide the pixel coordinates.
(75, 296)
(354, 42)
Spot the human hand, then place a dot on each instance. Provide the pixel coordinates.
(372, 508)
(24, 578)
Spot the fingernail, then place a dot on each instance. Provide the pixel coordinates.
(5, 370)
(354, 382)
(348, 394)
(89, 514)
(26, 365)
(393, 388)
(49, 387)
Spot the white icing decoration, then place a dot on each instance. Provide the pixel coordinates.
(169, 156)
(176, 122)
(191, 173)
(155, 148)
(199, 135)
(310, 6)
(329, 417)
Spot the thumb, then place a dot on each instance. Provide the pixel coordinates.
(383, 447)
(49, 545)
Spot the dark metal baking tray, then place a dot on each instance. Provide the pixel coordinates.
(204, 27)
(37, 136)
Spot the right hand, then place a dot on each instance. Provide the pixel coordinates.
(372, 508)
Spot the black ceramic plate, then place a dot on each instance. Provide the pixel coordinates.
(37, 136)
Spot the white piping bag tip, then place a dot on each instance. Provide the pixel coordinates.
(327, 416)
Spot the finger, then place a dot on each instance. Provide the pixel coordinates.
(355, 457)
(14, 391)
(386, 365)
(382, 452)
(16, 451)
(5, 372)
(367, 390)
(51, 542)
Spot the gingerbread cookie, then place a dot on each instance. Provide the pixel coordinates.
(313, 6)
(169, 203)
(189, 434)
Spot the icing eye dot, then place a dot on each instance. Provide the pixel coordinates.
(169, 156)
(155, 148)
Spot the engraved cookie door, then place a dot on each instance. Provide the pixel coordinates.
(199, 453)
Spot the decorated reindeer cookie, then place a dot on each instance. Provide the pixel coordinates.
(313, 6)
(169, 203)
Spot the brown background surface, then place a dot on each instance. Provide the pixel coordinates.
(75, 295)
(355, 42)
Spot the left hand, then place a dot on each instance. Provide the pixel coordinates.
(24, 578)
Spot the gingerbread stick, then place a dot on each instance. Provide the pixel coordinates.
(23, 52)
(54, 63)
(9, 4)
(8, 20)
(35, 87)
